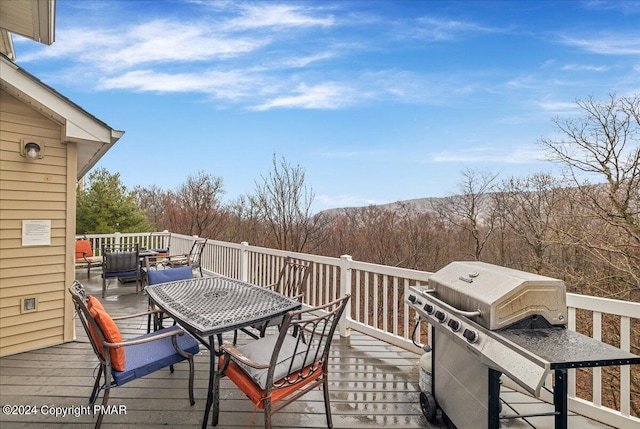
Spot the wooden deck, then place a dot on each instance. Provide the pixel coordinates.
(373, 385)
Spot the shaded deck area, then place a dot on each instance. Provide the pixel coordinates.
(373, 385)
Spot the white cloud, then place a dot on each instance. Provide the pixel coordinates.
(627, 45)
(276, 15)
(321, 96)
(230, 85)
(585, 67)
(481, 155)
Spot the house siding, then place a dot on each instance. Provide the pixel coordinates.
(34, 190)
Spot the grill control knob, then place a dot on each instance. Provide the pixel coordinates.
(471, 336)
(412, 298)
(454, 325)
(441, 316)
(428, 308)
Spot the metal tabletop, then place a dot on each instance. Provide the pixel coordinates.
(212, 305)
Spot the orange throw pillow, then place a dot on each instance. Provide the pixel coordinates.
(111, 334)
(92, 305)
(83, 248)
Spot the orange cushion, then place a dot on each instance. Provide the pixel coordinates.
(83, 248)
(111, 335)
(93, 302)
(92, 305)
(254, 392)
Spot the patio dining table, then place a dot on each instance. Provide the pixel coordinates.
(207, 307)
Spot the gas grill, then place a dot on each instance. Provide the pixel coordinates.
(489, 320)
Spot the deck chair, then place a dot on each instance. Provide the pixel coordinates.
(292, 277)
(275, 370)
(160, 274)
(193, 259)
(84, 255)
(160, 242)
(120, 261)
(125, 361)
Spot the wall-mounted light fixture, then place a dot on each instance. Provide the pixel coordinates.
(31, 149)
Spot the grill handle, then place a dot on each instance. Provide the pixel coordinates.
(457, 311)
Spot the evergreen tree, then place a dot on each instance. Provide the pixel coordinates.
(106, 206)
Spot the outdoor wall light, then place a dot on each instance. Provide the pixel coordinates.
(32, 150)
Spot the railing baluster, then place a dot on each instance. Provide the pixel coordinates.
(597, 372)
(625, 370)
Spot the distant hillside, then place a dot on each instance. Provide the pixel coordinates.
(420, 205)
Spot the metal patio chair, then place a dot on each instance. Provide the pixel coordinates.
(125, 361)
(160, 242)
(120, 261)
(84, 255)
(156, 273)
(291, 279)
(275, 370)
(193, 259)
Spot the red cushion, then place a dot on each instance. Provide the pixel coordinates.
(83, 248)
(254, 392)
(111, 335)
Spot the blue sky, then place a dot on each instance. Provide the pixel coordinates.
(378, 101)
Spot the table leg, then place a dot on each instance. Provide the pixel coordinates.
(560, 398)
(212, 377)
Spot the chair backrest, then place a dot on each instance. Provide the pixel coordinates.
(195, 254)
(83, 248)
(119, 258)
(160, 242)
(302, 347)
(93, 331)
(169, 275)
(292, 277)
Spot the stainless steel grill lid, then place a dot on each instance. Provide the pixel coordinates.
(503, 296)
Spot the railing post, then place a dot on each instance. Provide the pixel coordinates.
(345, 287)
(117, 236)
(244, 261)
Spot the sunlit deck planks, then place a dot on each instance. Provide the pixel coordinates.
(373, 385)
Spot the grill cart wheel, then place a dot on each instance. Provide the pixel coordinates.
(428, 405)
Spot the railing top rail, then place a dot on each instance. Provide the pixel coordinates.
(604, 305)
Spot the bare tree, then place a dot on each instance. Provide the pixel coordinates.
(152, 200)
(530, 207)
(283, 202)
(603, 147)
(195, 207)
(472, 210)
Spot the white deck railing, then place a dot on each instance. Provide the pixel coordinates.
(377, 307)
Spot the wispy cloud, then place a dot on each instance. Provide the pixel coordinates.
(585, 67)
(231, 85)
(442, 29)
(323, 96)
(481, 155)
(606, 45)
(262, 15)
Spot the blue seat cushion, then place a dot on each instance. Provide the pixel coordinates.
(143, 359)
(169, 275)
(120, 274)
